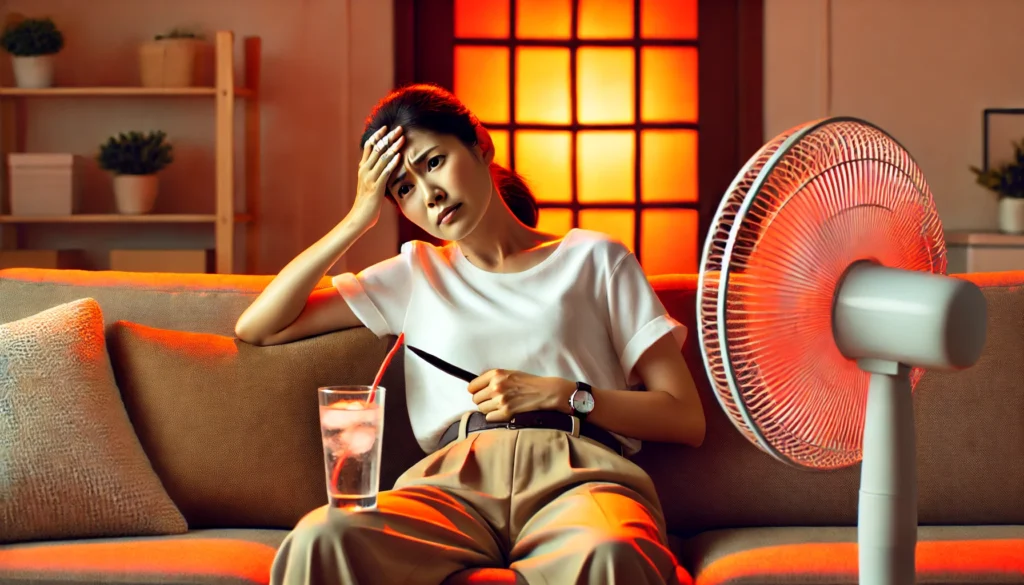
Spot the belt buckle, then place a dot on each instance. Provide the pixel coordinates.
(511, 424)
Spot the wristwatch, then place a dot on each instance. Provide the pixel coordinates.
(582, 400)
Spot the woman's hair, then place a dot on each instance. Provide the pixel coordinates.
(435, 109)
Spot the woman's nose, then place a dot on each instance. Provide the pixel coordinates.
(435, 196)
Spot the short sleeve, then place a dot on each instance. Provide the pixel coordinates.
(379, 295)
(637, 316)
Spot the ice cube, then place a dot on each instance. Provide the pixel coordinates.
(342, 415)
(360, 439)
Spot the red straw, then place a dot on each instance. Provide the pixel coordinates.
(384, 367)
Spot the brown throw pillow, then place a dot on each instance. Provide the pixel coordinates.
(233, 429)
(71, 465)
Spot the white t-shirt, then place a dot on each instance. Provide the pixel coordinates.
(586, 312)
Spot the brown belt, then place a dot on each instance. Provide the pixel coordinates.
(537, 419)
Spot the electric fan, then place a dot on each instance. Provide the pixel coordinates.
(822, 296)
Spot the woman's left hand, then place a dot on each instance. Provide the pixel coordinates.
(499, 394)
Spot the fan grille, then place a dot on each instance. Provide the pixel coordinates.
(836, 192)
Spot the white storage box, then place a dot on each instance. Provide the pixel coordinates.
(44, 184)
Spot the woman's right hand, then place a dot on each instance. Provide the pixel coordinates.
(381, 156)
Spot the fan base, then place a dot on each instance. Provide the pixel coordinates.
(887, 511)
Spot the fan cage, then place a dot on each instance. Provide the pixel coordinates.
(832, 192)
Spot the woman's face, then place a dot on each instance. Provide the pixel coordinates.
(441, 185)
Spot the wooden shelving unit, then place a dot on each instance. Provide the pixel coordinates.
(225, 93)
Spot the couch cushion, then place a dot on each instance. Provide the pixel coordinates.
(233, 429)
(70, 462)
(946, 555)
(970, 439)
(206, 303)
(221, 557)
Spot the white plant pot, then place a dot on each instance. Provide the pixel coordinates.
(33, 72)
(1011, 215)
(135, 194)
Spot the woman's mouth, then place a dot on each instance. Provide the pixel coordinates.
(447, 216)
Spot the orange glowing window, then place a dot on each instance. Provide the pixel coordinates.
(605, 85)
(605, 19)
(618, 223)
(668, 19)
(542, 85)
(482, 19)
(481, 81)
(596, 153)
(668, 168)
(668, 241)
(542, 158)
(668, 84)
(555, 221)
(543, 19)
(500, 140)
(605, 166)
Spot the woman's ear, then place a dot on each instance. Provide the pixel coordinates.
(485, 144)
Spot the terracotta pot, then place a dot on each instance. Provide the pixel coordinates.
(176, 63)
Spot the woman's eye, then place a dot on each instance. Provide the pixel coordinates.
(434, 162)
(403, 191)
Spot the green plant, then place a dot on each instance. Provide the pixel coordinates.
(1007, 180)
(136, 153)
(179, 33)
(32, 37)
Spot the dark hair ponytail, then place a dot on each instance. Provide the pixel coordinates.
(433, 108)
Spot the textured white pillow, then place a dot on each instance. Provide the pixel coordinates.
(71, 465)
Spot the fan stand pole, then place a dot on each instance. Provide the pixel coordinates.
(887, 512)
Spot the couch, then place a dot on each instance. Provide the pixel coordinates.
(231, 431)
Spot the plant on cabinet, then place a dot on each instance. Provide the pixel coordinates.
(32, 43)
(179, 58)
(135, 159)
(1007, 181)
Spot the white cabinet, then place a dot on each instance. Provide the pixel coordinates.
(984, 252)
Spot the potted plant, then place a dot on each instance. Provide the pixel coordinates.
(179, 58)
(1007, 181)
(32, 43)
(135, 159)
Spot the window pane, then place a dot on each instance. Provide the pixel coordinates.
(605, 85)
(543, 19)
(668, 168)
(668, 241)
(668, 19)
(481, 81)
(669, 84)
(606, 19)
(605, 163)
(542, 85)
(554, 221)
(500, 140)
(542, 158)
(617, 223)
(481, 19)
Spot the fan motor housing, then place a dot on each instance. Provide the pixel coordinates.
(910, 317)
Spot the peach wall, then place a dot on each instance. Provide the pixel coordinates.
(325, 62)
(921, 69)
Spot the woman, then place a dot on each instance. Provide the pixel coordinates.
(561, 327)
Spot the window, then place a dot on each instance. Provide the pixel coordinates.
(601, 105)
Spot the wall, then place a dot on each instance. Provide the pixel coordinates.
(921, 69)
(325, 63)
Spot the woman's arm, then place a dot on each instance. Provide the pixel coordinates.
(289, 308)
(669, 411)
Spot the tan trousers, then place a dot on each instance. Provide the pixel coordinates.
(558, 509)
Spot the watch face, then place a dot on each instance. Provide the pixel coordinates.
(583, 401)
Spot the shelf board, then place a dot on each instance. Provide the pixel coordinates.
(122, 218)
(119, 92)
